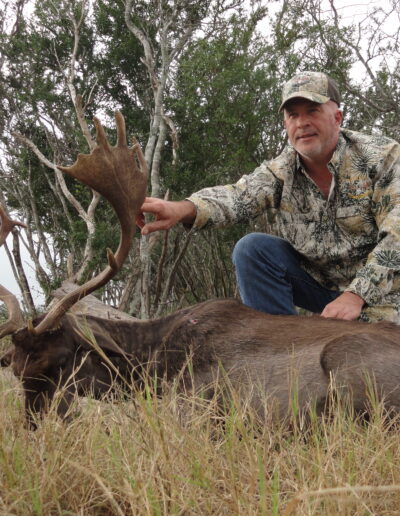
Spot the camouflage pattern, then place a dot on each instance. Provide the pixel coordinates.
(350, 241)
(314, 86)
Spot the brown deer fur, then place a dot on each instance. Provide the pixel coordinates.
(256, 351)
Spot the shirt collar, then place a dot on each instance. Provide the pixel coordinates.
(337, 157)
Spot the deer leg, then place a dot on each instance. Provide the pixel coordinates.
(367, 366)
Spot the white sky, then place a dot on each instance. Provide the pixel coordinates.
(350, 12)
(7, 277)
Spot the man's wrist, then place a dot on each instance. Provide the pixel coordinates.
(355, 298)
(188, 211)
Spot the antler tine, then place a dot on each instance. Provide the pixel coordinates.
(7, 225)
(119, 174)
(15, 317)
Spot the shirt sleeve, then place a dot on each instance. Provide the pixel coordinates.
(381, 272)
(221, 206)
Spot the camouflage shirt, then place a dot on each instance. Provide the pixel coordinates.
(348, 241)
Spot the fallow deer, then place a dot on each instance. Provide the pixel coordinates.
(255, 351)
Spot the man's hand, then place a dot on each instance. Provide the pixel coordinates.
(167, 214)
(347, 306)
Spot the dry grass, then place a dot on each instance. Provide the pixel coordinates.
(180, 456)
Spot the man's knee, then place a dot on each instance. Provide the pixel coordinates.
(260, 244)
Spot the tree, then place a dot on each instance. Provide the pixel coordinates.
(199, 86)
(44, 53)
(363, 56)
(73, 46)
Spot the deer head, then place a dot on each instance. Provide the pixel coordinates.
(119, 173)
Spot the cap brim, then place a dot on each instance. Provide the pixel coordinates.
(309, 95)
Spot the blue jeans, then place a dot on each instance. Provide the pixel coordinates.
(270, 277)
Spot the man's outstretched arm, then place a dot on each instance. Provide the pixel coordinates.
(167, 214)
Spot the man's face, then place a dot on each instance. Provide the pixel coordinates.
(313, 128)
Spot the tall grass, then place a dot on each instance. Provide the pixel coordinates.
(180, 455)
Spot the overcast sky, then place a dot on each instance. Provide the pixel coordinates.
(350, 11)
(7, 276)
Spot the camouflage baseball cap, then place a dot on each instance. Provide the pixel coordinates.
(315, 86)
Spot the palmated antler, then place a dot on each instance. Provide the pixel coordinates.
(119, 174)
(15, 317)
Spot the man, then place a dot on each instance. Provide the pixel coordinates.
(332, 197)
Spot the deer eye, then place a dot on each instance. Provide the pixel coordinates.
(62, 361)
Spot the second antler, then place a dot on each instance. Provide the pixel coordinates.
(7, 225)
(118, 173)
(15, 316)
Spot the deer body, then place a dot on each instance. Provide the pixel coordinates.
(258, 353)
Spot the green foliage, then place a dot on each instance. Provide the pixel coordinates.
(122, 77)
(225, 99)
